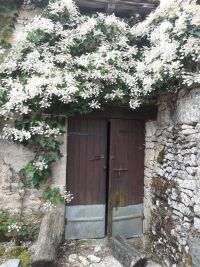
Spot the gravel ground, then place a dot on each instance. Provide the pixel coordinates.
(85, 252)
(108, 261)
(75, 254)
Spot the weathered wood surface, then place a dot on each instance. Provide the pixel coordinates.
(49, 239)
(123, 3)
(118, 4)
(126, 253)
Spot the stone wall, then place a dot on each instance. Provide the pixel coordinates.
(149, 162)
(172, 180)
(13, 158)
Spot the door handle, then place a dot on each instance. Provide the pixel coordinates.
(97, 158)
(120, 170)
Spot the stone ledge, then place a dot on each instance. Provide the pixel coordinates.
(11, 263)
(126, 253)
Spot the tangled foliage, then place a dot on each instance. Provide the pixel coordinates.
(54, 196)
(8, 14)
(12, 226)
(67, 62)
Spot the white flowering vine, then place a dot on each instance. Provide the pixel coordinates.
(66, 62)
(53, 196)
(67, 196)
(48, 206)
(14, 227)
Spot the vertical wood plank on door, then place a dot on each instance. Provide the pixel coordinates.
(126, 177)
(86, 176)
(127, 164)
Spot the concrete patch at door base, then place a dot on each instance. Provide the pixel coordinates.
(85, 222)
(128, 221)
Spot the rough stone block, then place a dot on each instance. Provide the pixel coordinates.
(188, 111)
(186, 126)
(126, 253)
(189, 131)
(187, 184)
(197, 223)
(197, 210)
(194, 242)
(151, 127)
(185, 199)
(169, 156)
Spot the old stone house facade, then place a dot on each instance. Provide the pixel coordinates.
(171, 177)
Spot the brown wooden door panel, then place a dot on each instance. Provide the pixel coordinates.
(86, 177)
(126, 178)
(86, 160)
(127, 162)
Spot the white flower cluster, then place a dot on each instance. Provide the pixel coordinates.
(2, 50)
(170, 44)
(48, 206)
(40, 164)
(56, 7)
(40, 128)
(40, 23)
(26, 2)
(67, 196)
(14, 227)
(44, 129)
(193, 78)
(15, 134)
(98, 59)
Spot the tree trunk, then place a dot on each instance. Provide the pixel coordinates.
(49, 239)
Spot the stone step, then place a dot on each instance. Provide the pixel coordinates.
(11, 263)
(126, 253)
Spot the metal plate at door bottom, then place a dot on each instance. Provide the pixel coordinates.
(85, 222)
(128, 221)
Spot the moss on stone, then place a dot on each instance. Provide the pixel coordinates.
(25, 258)
(158, 182)
(138, 243)
(3, 237)
(2, 124)
(161, 155)
(2, 250)
(159, 186)
(188, 261)
(14, 252)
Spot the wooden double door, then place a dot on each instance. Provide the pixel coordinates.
(105, 169)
